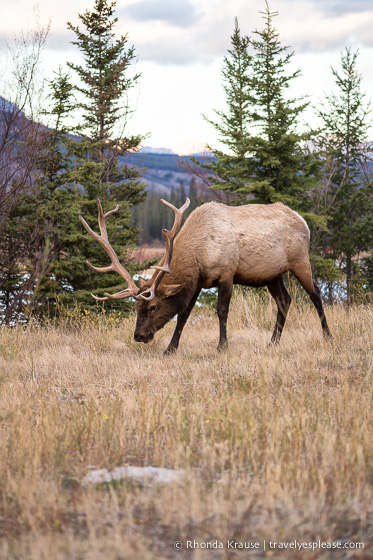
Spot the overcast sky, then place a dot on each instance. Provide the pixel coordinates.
(180, 46)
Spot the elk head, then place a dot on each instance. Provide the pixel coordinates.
(153, 300)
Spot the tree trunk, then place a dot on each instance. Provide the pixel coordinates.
(349, 279)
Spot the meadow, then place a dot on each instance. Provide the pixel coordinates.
(275, 442)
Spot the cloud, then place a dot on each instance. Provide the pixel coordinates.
(306, 26)
(317, 33)
(181, 13)
(169, 52)
(206, 38)
(184, 32)
(334, 8)
(200, 44)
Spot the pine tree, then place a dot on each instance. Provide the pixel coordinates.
(32, 224)
(267, 161)
(37, 239)
(284, 171)
(193, 195)
(231, 169)
(73, 170)
(347, 194)
(99, 151)
(104, 76)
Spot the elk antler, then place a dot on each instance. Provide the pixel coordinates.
(168, 236)
(115, 266)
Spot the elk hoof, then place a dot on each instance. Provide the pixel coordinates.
(169, 351)
(274, 342)
(222, 346)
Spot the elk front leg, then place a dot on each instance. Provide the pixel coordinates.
(181, 320)
(224, 297)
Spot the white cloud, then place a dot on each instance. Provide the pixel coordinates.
(336, 7)
(305, 25)
(181, 13)
(180, 53)
(307, 28)
(188, 31)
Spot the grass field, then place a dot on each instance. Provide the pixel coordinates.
(275, 442)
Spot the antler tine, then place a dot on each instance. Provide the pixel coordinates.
(102, 218)
(168, 236)
(178, 216)
(119, 295)
(115, 265)
(151, 290)
(99, 298)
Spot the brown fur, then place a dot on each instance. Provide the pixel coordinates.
(220, 246)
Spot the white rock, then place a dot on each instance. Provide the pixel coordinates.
(146, 475)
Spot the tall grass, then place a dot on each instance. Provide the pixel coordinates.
(275, 441)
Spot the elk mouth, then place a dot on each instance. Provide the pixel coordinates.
(145, 338)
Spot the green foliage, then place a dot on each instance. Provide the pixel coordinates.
(346, 194)
(208, 298)
(104, 76)
(366, 270)
(267, 160)
(97, 167)
(44, 243)
(35, 235)
(231, 170)
(324, 175)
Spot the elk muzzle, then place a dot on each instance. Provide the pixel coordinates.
(143, 337)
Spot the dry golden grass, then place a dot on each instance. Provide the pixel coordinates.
(275, 442)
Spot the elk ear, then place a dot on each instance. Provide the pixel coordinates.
(168, 290)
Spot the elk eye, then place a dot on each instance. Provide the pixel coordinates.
(152, 308)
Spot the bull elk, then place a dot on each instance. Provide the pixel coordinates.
(219, 246)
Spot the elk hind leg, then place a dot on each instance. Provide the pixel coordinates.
(225, 288)
(282, 298)
(305, 278)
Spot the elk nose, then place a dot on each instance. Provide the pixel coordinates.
(137, 337)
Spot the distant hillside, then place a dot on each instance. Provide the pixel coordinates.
(162, 171)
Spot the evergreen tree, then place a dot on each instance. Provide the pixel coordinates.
(103, 77)
(98, 153)
(193, 195)
(43, 245)
(267, 161)
(31, 225)
(232, 169)
(347, 193)
(36, 239)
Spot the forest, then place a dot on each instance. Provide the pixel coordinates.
(51, 172)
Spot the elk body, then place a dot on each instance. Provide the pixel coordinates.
(219, 246)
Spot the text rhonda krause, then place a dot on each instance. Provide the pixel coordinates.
(220, 544)
(274, 544)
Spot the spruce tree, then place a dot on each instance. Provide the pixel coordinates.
(347, 193)
(268, 160)
(193, 195)
(231, 169)
(100, 148)
(38, 235)
(284, 170)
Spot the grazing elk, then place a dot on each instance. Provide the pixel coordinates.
(219, 246)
